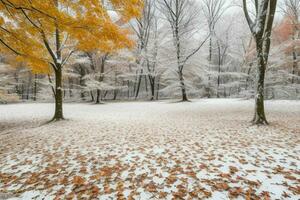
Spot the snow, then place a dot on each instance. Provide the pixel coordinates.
(150, 150)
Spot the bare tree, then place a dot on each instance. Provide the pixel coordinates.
(261, 29)
(213, 11)
(222, 49)
(151, 60)
(181, 15)
(142, 28)
(291, 8)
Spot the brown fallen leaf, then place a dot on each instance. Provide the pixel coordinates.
(64, 180)
(162, 195)
(179, 195)
(235, 192)
(265, 195)
(95, 190)
(83, 170)
(171, 179)
(151, 187)
(290, 177)
(233, 169)
(106, 171)
(295, 190)
(225, 175)
(78, 180)
(221, 186)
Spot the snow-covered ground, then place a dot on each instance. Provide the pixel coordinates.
(150, 150)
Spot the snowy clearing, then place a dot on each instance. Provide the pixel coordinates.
(150, 150)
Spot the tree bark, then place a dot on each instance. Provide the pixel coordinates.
(219, 69)
(128, 92)
(157, 87)
(259, 111)
(295, 66)
(98, 97)
(152, 87)
(210, 49)
(264, 21)
(35, 88)
(183, 88)
(58, 115)
(115, 94)
(81, 81)
(70, 87)
(138, 85)
(101, 78)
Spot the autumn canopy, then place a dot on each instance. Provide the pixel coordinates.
(45, 34)
(27, 26)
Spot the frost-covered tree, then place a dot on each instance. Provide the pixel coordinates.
(261, 29)
(291, 34)
(182, 16)
(144, 27)
(213, 11)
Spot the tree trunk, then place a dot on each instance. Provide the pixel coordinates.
(92, 96)
(115, 94)
(128, 92)
(264, 20)
(98, 97)
(138, 85)
(152, 86)
(210, 49)
(152, 89)
(101, 78)
(23, 90)
(58, 115)
(146, 84)
(294, 66)
(82, 82)
(157, 88)
(29, 86)
(182, 85)
(259, 112)
(70, 87)
(35, 87)
(219, 70)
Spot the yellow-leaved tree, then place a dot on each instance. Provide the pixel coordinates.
(44, 34)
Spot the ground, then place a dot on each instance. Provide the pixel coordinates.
(150, 150)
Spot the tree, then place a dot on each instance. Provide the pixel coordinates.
(213, 11)
(291, 10)
(181, 16)
(261, 29)
(143, 28)
(8, 83)
(45, 34)
(283, 74)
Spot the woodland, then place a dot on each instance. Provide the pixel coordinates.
(149, 99)
(108, 51)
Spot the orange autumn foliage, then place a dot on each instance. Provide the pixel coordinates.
(284, 30)
(288, 32)
(26, 27)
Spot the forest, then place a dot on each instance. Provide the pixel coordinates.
(149, 99)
